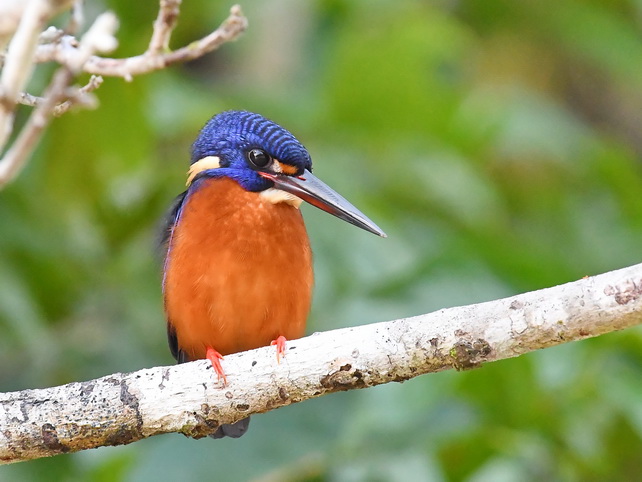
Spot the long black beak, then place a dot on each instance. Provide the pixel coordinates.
(314, 191)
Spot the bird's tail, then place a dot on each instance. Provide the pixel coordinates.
(234, 430)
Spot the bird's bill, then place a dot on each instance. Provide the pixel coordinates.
(314, 191)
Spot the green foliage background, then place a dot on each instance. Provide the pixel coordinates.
(498, 143)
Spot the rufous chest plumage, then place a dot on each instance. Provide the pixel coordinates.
(239, 270)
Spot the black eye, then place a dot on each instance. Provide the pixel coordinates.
(259, 158)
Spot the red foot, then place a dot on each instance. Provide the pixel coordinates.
(280, 347)
(215, 357)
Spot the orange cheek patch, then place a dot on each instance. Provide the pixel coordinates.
(286, 168)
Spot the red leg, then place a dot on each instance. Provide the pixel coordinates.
(215, 357)
(280, 347)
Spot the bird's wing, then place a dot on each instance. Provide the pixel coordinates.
(170, 220)
(179, 355)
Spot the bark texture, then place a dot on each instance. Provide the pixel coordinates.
(125, 407)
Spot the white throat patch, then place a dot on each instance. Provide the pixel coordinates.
(276, 196)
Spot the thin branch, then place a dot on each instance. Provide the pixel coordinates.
(98, 38)
(76, 57)
(163, 26)
(18, 64)
(11, 12)
(76, 19)
(25, 98)
(155, 58)
(51, 35)
(78, 96)
(16, 157)
(123, 408)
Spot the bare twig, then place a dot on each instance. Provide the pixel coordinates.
(16, 156)
(156, 57)
(163, 26)
(25, 98)
(52, 34)
(31, 45)
(77, 18)
(123, 408)
(18, 63)
(12, 12)
(77, 97)
(98, 38)
(80, 97)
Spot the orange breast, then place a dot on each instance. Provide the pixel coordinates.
(239, 271)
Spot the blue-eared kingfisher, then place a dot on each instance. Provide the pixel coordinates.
(238, 265)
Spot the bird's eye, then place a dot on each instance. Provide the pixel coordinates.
(259, 158)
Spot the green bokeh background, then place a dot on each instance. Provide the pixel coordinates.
(498, 143)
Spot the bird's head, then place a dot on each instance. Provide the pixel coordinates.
(263, 157)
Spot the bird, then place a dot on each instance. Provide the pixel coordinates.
(237, 272)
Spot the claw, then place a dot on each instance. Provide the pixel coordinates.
(215, 357)
(280, 347)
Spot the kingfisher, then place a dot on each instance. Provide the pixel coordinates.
(238, 265)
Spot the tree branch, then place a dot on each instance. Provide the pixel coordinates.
(30, 45)
(123, 408)
(76, 96)
(157, 56)
(163, 26)
(98, 38)
(18, 64)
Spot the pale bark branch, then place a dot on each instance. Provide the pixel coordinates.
(98, 38)
(163, 26)
(157, 56)
(18, 65)
(123, 408)
(77, 96)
